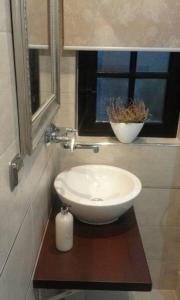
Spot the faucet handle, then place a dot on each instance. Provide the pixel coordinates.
(72, 144)
(51, 130)
(71, 130)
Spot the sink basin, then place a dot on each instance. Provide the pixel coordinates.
(97, 194)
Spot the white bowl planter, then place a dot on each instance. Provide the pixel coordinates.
(126, 132)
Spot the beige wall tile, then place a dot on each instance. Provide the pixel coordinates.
(16, 204)
(68, 62)
(67, 111)
(154, 295)
(8, 133)
(67, 83)
(155, 207)
(154, 242)
(41, 204)
(161, 242)
(15, 279)
(149, 163)
(116, 295)
(6, 53)
(66, 120)
(8, 120)
(164, 274)
(67, 101)
(32, 294)
(170, 278)
(5, 16)
(157, 271)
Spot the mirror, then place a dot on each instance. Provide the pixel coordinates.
(39, 52)
(36, 50)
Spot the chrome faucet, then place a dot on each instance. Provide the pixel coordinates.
(80, 146)
(67, 137)
(55, 134)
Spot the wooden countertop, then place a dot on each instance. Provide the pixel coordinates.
(107, 257)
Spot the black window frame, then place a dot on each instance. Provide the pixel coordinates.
(87, 75)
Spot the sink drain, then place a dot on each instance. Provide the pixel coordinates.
(97, 199)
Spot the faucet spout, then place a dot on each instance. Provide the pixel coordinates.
(67, 138)
(80, 146)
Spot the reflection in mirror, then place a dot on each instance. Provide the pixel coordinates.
(40, 77)
(38, 31)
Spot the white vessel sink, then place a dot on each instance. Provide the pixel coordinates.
(97, 194)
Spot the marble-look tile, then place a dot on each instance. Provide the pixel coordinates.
(8, 120)
(32, 294)
(106, 295)
(170, 277)
(45, 82)
(5, 22)
(164, 274)
(118, 23)
(155, 207)
(15, 279)
(161, 242)
(6, 52)
(45, 294)
(66, 114)
(157, 271)
(7, 205)
(68, 62)
(68, 83)
(40, 209)
(149, 163)
(65, 119)
(13, 205)
(68, 101)
(153, 295)
(154, 242)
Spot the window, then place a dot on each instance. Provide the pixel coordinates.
(151, 76)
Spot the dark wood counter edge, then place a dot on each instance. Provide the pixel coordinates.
(40, 284)
(85, 285)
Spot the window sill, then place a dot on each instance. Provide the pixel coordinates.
(141, 141)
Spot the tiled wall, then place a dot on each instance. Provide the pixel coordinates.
(45, 78)
(23, 212)
(158, 167)
(121, 23)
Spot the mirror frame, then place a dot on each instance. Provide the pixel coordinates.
(32, 127)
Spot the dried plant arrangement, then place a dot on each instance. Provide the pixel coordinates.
(135, 112)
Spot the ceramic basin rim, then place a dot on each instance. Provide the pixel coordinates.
(106, 203)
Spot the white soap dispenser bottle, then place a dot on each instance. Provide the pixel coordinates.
(64, 230)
